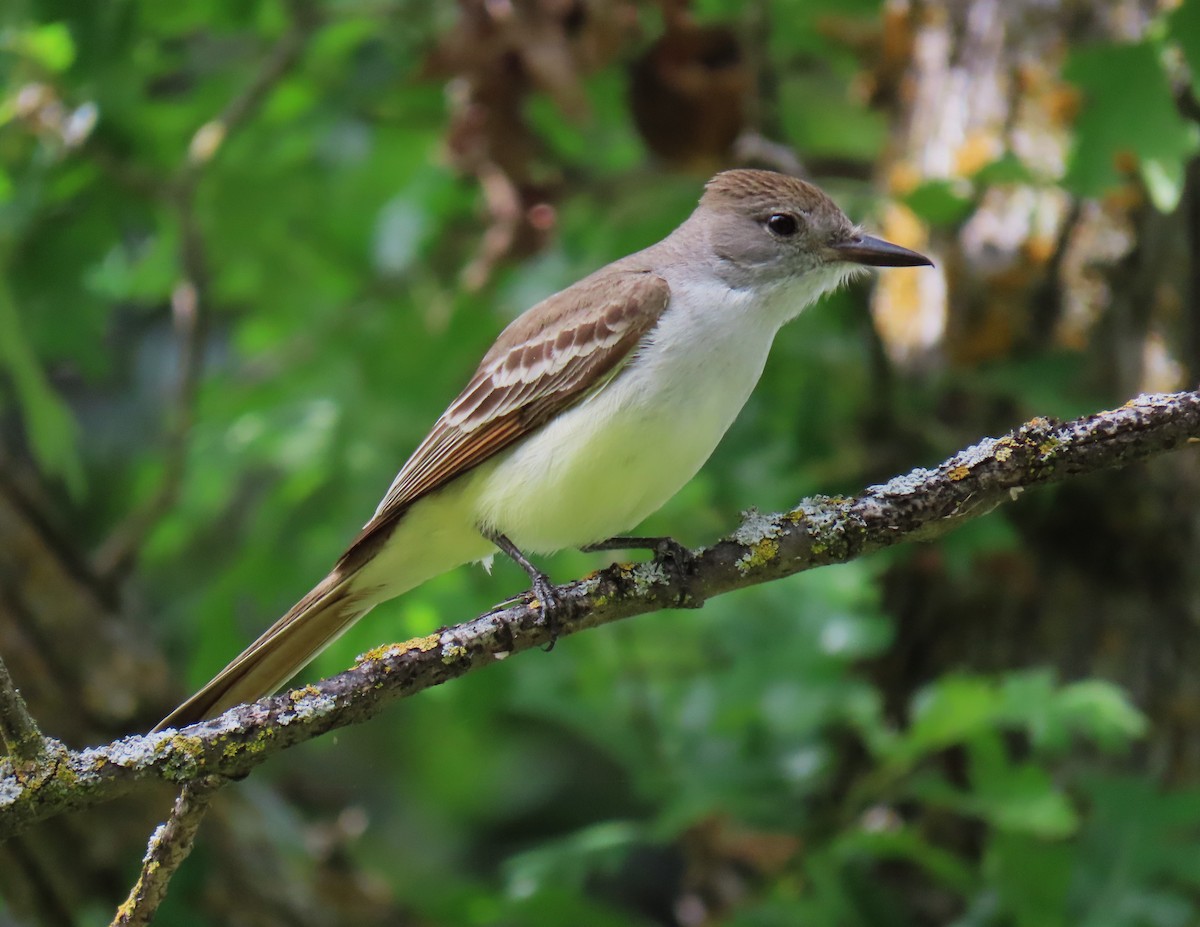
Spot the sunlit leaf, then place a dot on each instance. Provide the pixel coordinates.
(50, 45)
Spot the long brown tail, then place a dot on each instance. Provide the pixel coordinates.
(308, 627)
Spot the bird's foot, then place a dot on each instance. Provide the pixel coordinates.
(549, 600)
(667, 551)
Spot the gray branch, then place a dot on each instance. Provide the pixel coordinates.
(19, 733)
(169, 846)
(921, 505)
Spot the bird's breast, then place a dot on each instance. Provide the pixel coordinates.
(599, 468)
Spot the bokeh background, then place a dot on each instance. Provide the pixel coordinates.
(248, 252)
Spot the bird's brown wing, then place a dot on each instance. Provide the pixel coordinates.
(544, 362)
(541, 364)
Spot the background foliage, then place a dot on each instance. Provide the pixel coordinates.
(249, 251)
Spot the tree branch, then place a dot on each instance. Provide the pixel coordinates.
(921, 505)
(169, 846)
(19, 733)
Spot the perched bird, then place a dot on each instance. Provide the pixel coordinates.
(589, 412)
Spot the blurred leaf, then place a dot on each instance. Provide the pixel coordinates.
(1090, 708)
(147, 271)
(1129, 111)
(50, 45)
(48, 423)
(947, 712)
(941, 202)
(907, 844)
(558, 864)
(1032, 877)
(1102, 712)
(1015, 797)
(977, 540)
(1006, 169)
(1130, 854)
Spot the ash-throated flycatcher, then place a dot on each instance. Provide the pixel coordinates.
(588, 413)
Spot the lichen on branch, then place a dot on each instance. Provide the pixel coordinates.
(923, 504)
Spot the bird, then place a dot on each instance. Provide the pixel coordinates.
(590, 410)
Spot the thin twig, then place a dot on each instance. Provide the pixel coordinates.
(920, 505)
(22, 739)
(191, 300)
(169, 846)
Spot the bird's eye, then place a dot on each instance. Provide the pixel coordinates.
(783, 224)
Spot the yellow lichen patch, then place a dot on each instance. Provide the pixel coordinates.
(233, 750)
(1003, 453)
(383, 651)
(187, 753)
(296, 694)
(67, 776)
(960, 472)
(760, 554)
(376, 654)
(453, 652)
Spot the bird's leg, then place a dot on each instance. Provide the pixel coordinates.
(666, 549)
(545, 591)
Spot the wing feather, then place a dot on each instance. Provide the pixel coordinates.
(543, 363)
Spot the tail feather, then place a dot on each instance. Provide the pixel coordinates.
(308, 627)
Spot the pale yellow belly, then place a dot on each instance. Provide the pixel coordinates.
(602, 467)
(594, 471)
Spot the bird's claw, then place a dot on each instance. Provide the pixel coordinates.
(551, 603)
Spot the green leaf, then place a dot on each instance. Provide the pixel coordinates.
(941, 202)
(1136, 852)
(1101, 711)
(1129, 110)
(50, 45)
(1033, 877)
(906, 843)
(1008, 168)
(977, 540)
(49, 424)
(1020, 798)
(949, 711)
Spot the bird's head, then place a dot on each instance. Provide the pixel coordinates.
(767, 228)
